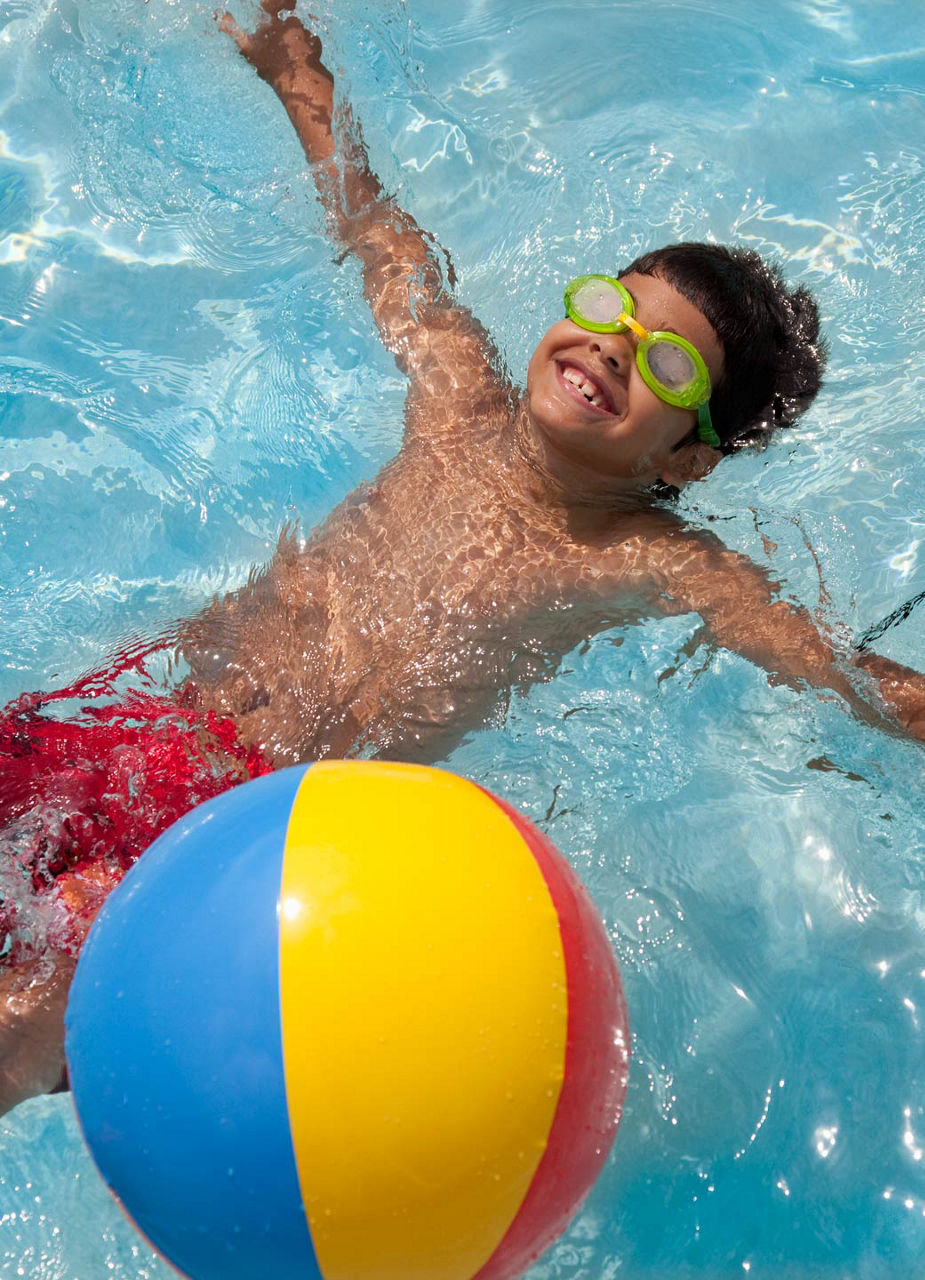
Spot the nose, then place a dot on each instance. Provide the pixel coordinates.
(615, 349)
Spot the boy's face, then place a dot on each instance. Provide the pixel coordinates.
(624, 438)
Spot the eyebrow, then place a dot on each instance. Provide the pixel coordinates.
(656, 328)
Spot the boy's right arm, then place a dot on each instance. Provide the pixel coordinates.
(410, 298)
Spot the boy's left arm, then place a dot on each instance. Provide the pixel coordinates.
(738, 601)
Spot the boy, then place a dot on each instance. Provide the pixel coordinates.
(511, 523)
(510, 517)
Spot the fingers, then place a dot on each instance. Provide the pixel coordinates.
(279, 43)
(273, 10)
(229, 26)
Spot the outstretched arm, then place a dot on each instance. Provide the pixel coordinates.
(739, 604)
(410, 297)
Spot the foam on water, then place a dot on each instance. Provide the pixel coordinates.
(184, 363)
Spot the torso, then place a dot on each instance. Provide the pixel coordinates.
(423, 597)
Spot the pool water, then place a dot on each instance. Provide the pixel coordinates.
(185, 364)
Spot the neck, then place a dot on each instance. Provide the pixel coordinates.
(553, 479)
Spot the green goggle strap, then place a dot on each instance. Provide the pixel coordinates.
(706, 432)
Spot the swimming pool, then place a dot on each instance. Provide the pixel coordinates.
(185, 364)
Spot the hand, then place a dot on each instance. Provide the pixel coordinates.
(281, 48)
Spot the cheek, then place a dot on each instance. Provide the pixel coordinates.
(541, 369)
(664, 423)
(537, 361)
(552, 340)
(645, 407)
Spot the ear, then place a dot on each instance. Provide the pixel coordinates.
(690, 462)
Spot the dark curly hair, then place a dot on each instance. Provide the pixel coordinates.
(773, 355)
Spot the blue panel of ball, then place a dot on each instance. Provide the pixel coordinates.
(199, 953)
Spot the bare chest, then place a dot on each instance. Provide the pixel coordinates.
(442, 591)
(425, 559)
(398, 624)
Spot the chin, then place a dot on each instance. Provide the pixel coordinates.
(558, 420)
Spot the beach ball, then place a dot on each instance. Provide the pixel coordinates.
(350, 1021)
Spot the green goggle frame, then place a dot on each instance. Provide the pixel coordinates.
(602, 304)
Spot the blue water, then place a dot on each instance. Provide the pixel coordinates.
(185, 364)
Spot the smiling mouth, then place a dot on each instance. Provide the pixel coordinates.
(585, 389)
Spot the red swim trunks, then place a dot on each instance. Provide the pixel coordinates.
(83, 795)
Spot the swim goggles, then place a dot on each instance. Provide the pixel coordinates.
(670, 366)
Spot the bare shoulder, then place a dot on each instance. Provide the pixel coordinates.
(448, 333)
(665, 562)
(692, 569)
(456, 375)
(410, 286)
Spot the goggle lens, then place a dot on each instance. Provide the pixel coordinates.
(596, 300)
(671, 365)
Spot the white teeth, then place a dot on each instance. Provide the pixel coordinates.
(587, 389)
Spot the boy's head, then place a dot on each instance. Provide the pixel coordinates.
(602, 425)
(773, 356)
